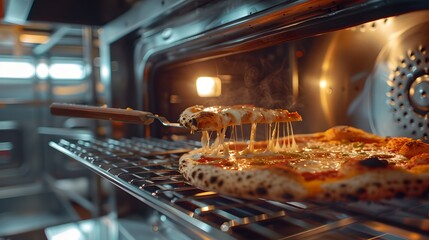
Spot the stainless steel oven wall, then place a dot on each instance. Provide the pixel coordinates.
(176, 31)
(373, 76)
(331, 81)
(354, 76)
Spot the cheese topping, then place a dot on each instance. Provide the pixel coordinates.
(280, 147)
(310, 157)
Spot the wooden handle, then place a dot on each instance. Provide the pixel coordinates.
(114, 114)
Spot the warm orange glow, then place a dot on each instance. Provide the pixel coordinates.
(33, 38)
(70, 90)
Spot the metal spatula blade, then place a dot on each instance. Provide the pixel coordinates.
(113, 114)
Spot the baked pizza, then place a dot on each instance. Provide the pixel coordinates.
(340, 164)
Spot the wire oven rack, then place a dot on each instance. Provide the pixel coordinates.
(147, 169)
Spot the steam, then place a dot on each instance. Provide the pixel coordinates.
(262, 79)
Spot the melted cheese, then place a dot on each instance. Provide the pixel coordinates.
(277, 142)
(313, 157)
(280, 136)
(310, 157)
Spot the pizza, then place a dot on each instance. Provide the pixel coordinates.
(342, 163)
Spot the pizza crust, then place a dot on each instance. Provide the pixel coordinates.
(375, 185)
(278, 184)
(351, 134)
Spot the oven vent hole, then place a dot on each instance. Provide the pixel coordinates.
(371, 26)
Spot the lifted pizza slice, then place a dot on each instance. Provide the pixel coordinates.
(215, 118)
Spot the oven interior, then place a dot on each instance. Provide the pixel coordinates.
(352, 76)
(372, 76)
(358, 63)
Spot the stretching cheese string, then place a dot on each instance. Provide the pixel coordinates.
(274, 135)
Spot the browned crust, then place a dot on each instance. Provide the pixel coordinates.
(375, 185)
(350, 134)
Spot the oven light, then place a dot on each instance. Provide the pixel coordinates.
(42, 70)
(14, 69)
(67, 71)
(323, 84)
(208, 86)
(33, 38)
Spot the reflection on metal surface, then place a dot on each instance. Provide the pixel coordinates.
(325, 83)
(70, 90)
(401, 73)
(419, 92)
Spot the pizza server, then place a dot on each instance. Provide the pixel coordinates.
(113, 114)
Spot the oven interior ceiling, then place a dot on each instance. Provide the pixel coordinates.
(373, 76)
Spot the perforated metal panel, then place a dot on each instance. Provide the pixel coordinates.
(147, 169)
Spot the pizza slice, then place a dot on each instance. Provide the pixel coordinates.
(200, 118)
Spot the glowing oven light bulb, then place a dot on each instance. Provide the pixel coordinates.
(208, 86)
(323, 84)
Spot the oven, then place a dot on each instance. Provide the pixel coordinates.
(358, 63)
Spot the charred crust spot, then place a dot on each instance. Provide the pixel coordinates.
(250, 193)
(374, 162)
(239, 179)
(400, 195)
(377, 184)
(200, 176)
(327, 195)
(406, 182)
(287, 196)
(248, 176)
(350, 197)
(343, 185)
(426, 192)
(193, 174)
(220, 183)
(206, 183)
(261, 191)
(193, 121)
(360, 191)
(213, 179)
(419, 181)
